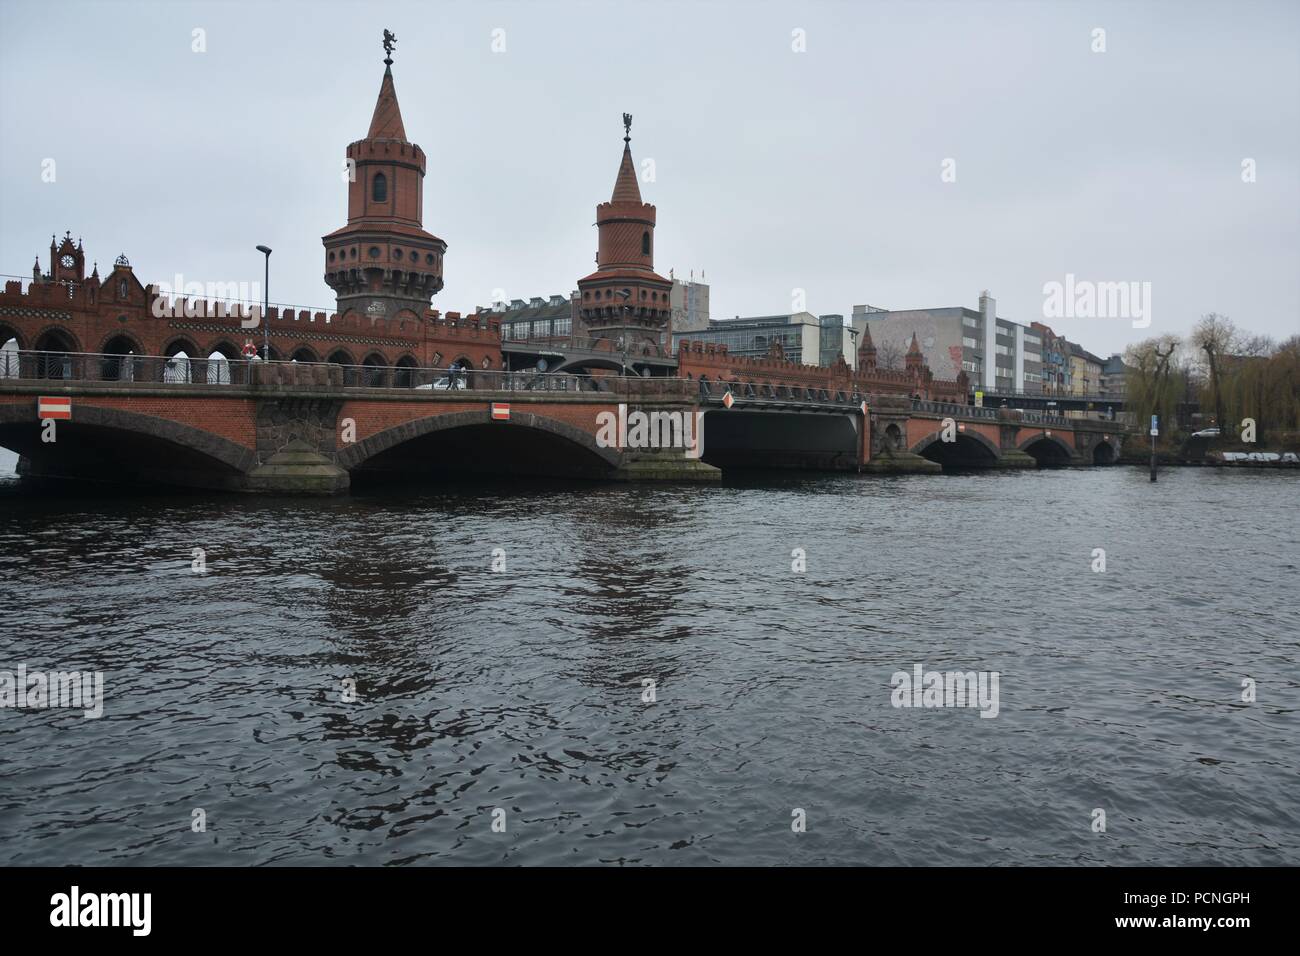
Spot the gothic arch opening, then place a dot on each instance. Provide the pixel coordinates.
(57, 348)
(403, 374)
(9, 357)
(218, 370)
(120, 362)
(374, 369)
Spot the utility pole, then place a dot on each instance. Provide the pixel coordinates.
(1155, 430)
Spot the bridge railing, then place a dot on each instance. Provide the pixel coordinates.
(713, 390)
(112, 367)
(567, 343)
(1023, 416)
(954, 410)
(452, 380)
(183, 370)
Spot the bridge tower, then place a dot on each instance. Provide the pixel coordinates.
(625, 301)
(383, 263)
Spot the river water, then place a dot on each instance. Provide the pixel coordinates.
(517, 696)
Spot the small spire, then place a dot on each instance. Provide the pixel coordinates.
(386, 123)
(625, 186)
(915, 347)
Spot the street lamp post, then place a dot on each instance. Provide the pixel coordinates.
(624, 294)
(266, 305)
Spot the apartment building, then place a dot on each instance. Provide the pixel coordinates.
(998, 355)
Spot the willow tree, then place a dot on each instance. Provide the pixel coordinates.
(1280, 404)
(1216, 337)
(1151, 387)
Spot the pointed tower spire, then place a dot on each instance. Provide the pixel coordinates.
(914, 357)
(866, 350)
(386, 123)
(625, 186)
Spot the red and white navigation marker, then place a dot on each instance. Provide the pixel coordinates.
(501, 411)
(863, 406)
(727, 400)
(59, 407)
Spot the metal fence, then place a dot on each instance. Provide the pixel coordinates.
(32, 366)
(111, 367)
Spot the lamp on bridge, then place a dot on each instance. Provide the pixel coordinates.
(624, 294)
(266, 305)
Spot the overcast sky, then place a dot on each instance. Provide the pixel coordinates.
(775, 170)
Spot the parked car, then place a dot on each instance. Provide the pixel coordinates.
(1211, 432)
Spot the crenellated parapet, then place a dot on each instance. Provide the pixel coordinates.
(712, 360)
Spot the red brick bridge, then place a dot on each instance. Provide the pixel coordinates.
(318, 428)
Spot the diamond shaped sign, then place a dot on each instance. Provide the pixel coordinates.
(727, 400)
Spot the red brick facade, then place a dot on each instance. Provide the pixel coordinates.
(625, 297)
(707, 360)
(119, 315)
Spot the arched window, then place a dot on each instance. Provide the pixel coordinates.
(645, 243)
(9, 359)
(380, 188)
(177, 368)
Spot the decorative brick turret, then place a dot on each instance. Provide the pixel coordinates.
(915, 359)
(383, 263)
(866, 351)
(625, 298)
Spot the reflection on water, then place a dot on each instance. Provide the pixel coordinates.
(522, 690)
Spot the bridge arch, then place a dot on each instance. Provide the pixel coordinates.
(182, 343)
(970, 450)
(119, 342)
(404, 371)
(58, 343)
(1104, 453)
(1048, 450)
(115, 347)
(304, 353)
(111, 442)
(8, 332)
(341, 357)
(403, 448)
(577, 364)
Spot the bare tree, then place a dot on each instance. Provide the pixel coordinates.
(1216, 336)
(890, 355)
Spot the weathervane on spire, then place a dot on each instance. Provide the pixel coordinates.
(389, 41)
(627, 127)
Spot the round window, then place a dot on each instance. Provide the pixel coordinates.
(374, 252)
